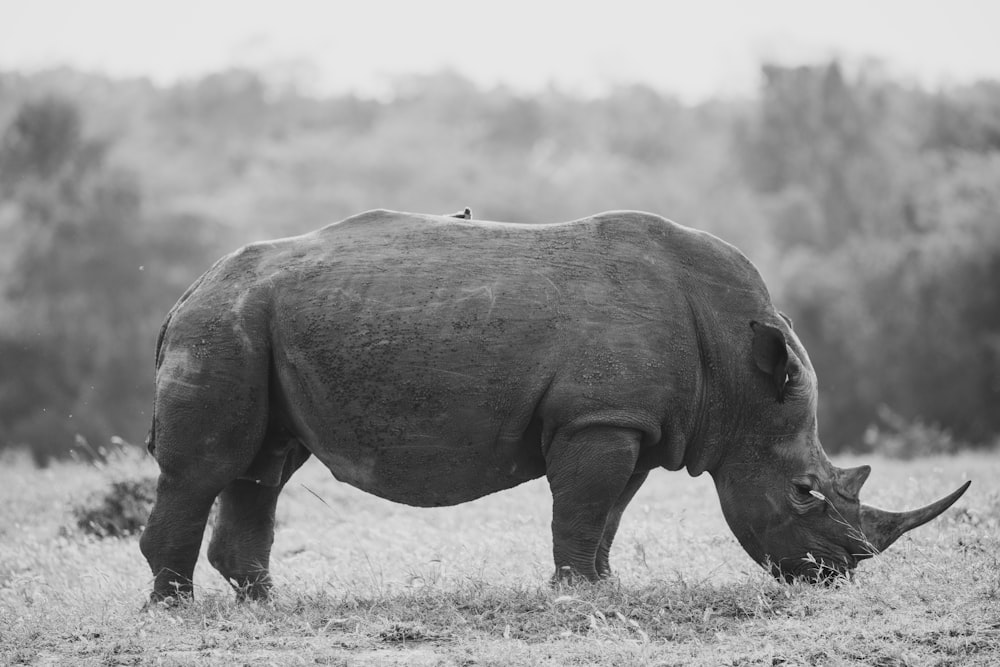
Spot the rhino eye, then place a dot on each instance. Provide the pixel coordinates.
(803, 489)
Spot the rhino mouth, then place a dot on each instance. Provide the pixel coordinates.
(813, 569)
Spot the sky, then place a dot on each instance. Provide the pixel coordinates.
(693, 49)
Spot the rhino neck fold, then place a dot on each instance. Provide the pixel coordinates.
(703, 448)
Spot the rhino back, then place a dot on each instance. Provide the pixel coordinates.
(428, 359)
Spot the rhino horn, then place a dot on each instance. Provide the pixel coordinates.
(882, 528)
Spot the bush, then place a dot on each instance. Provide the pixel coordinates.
(118, 512)
(122, 507)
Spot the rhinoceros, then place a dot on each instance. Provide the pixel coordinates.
(432, 360)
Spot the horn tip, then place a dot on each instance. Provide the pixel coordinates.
(951, 498)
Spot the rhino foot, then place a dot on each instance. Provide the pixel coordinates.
(566, 575)
(252, 587)
(162, 597)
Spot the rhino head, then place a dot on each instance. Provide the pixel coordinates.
(790, 508)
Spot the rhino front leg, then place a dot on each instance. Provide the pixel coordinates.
(588, 474)
(603, 551)
(244, 527)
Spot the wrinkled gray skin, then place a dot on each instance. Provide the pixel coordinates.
(431, 361)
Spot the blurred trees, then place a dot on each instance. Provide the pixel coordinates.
(886, 209)
(870, 207)
(79, 307)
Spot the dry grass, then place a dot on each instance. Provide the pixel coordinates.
(363, 581)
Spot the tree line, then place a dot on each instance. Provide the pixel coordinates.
(870, 206)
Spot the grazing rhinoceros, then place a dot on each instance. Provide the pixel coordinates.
(431, 361)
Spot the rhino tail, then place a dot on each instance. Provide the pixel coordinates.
(151, 434)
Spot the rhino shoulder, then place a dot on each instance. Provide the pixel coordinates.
(374, 218)
(702, 260)
(651, 228)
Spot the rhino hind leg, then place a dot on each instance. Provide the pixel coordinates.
(611, 527)
(589, 473)
(173, 534)
(209, 426)
(240, 548)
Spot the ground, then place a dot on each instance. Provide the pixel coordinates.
(361, 581)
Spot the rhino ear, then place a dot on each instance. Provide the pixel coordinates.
(770, 354)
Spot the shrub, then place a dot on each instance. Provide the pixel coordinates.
(120, 511)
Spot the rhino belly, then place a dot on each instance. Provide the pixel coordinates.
(426, 435)
(427, 472)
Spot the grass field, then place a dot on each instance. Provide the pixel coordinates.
(361, 581)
